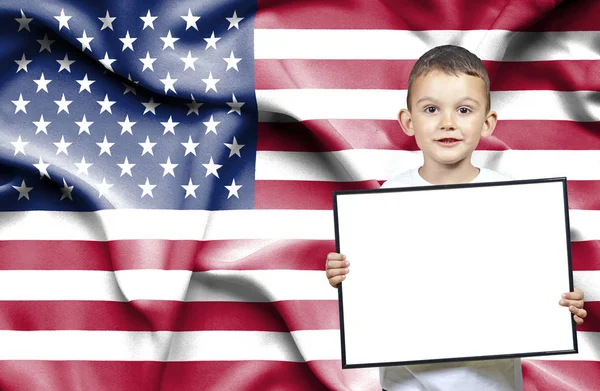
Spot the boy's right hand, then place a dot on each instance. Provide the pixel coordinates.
(336, 268)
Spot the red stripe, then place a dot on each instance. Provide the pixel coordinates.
(560, 375)
(393, 74)
(428, 15)
(592, 320)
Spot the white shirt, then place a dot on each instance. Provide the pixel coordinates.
(493, 375)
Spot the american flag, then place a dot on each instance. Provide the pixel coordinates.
(167, 170)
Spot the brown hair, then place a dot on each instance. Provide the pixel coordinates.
(452, 60)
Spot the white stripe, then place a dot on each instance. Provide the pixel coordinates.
(297, 346)
(497, 45)
(310, 104)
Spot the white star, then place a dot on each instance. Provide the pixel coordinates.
(148, 20)
(169, 83)
(23, 190)
(127, 42)
(126, 125)
(235, 148)
(22, 63)
(147, 188)
(194, 106)
(232, 62)
(169, 167)
(24, 22)
(107, 62)
(66, 191)
(82, 168)
(45, 43)
(212, 41)
(106, 104)
(236, 107)
(211, 84)
(169, 41)
(169, 126)
(233, 189)
(63, 20)
(20, 104)
(189, 61)
(190, 146)
(103, 188)
(62, 146)
(190, 189)
(41, 125)
(211, 126)
(126, 167)
(190, 20)
(85, 84)
(85, 42)
(107, 21)
(129, 87)
(42, 168)
(147, 62)
(234, 21)
(147, 145)
(84, 125)
(42, 83)
(19, 146)
(151, 106)
(63, 104)
(211, 168)
(65, 63)
(105, 147)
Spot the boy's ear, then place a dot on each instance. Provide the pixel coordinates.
(406, 122)
(490, 124)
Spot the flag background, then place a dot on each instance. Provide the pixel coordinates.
(212, 291)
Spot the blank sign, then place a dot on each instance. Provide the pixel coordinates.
(454, 272)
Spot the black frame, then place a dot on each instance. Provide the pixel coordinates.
(443, 187)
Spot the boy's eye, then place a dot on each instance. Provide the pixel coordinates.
(464, 110)
(430, 109)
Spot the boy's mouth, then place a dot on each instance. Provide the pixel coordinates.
(448, 141)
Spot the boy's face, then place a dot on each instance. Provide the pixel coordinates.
(448, 116)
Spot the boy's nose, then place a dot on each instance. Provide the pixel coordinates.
(448, 122)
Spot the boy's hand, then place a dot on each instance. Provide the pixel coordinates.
(336, 268)
(574, 300)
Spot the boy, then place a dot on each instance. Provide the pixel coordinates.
(448, 112)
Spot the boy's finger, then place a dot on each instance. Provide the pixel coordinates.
(569, 303)
(580, 312)
(335, 256)
(573, 295)
(336, 272)
(337, 264)
(578, 320)
(334, 281)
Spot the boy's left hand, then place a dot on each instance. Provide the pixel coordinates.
(574, 300)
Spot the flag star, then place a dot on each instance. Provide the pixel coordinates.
(24, 22)
(169, 167)
(211, 168)
(150, 106)
(233, 189)
(63, 20)
(63, 104)
(65, 63)
(211, 126)
(169, 83)
(22, 63)
(45, 43)
(234, 21)
(232, 62)
(19, 146)
(126, 167)
(169, 126)
(190, 20)
(107, 21)
(107, 62)
(20, 104)
(148, 20)
(62, 146)
(212, 41)
(169, 41)
(41, 125)
(42, 83)
(147, 188)
(85, 42)
(103, 188)
(211, 84)
(127, 125)
(147, 62)
(147, 146)
(234, 147)
(236, 107)
(190, 146)
(106, 104)
(127, 42)
(105, 147)
(85, 84)
(190, 189)
(84, 125)
(82, 168)
(189, 61)
(23, 190)
(66, 191)
(42, 168)
(129, 87)
(194, 106)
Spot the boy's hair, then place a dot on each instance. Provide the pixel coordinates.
(452, 60)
